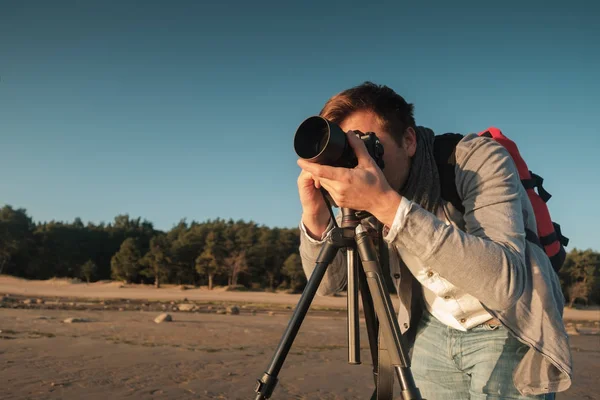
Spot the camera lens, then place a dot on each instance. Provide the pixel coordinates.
(312, 138)
(320, 141)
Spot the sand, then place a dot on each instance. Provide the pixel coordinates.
(201, 354)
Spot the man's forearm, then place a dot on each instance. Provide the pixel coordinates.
(386, 209)
(315, 225)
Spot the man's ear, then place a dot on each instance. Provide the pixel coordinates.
(409, 141)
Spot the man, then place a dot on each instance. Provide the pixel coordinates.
(489, 302)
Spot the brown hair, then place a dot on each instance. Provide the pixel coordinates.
(395, 113)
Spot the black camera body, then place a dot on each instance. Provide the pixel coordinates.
(324, 142)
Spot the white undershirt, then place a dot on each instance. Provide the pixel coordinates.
(449, 304)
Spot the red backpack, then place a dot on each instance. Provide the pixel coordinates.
(548, 235)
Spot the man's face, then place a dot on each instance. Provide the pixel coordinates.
(396, 158)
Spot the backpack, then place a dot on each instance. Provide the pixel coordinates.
(548, 236)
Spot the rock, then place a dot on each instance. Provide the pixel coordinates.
(39, 301)
(186, 307)
(588, 331)
(570, 329)
(174, 308)
(233, 310)
(164, 317)
(27, 301)
(221, 311)
(75, 320)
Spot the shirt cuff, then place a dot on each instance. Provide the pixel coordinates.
(399, 220)
(323, 236)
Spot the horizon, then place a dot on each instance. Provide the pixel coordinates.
(187, 111)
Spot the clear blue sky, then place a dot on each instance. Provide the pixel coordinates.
(187, 109)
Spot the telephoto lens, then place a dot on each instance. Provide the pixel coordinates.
(321, 141)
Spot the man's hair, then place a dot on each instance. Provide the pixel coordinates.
(395, 113)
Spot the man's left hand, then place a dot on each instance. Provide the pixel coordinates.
(363, 187)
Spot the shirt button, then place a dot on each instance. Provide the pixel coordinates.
(405, 325)
(462, 320)
(447, 297)
(397, 276)
(429, 274)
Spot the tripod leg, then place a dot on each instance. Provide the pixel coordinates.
(371, 322)
(353, 320)
(266, 384)
(388, 323)
(370, 317)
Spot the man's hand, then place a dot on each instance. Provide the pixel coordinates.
(361, 188)
(315, 215)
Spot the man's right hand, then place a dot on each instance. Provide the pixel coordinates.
(315, 215)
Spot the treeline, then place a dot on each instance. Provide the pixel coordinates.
(215, 252)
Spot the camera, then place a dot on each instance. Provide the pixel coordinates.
(324, 142)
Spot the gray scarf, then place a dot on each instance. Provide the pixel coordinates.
(423, 183)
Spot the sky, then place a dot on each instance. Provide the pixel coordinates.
(188, 109)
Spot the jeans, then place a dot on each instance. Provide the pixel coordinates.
(448, 364)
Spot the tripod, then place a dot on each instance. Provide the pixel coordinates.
(377, 307)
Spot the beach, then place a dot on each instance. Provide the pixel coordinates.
(71, 340)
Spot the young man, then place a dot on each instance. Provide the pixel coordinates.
(490, 306)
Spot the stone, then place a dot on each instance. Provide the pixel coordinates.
(39, 301)
(571, 330)
(186, 307)
(221, 311)
(75, 320)
(233, 310)
(588, 330)
(27, 301)
(164, 317)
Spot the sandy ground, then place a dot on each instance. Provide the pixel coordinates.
(201, 354)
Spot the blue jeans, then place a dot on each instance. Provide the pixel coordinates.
(449, 364)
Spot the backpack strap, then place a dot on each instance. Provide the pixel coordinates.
(537, 181)
(548, 235)
(444, 153)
